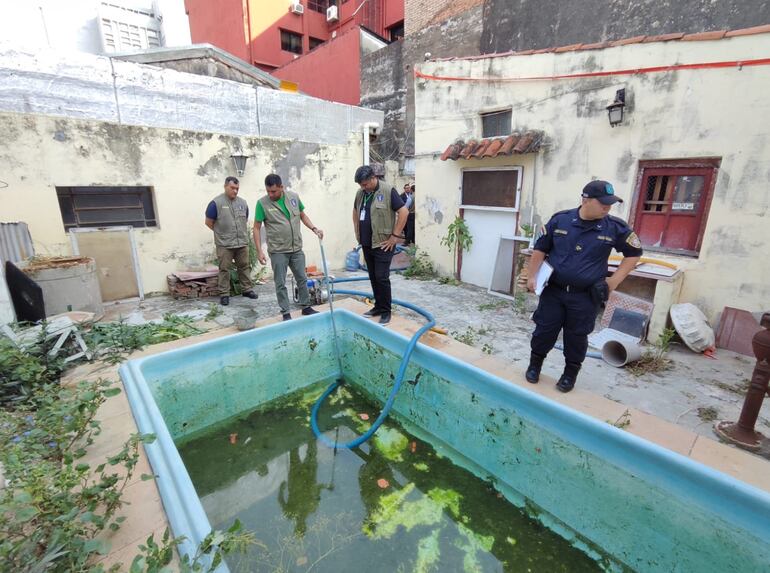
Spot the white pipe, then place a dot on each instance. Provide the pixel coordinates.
(532, 207)
(365, 135)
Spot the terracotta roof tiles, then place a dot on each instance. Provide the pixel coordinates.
(516, 143)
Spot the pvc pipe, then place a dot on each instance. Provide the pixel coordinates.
(365, 135)
(618, 353)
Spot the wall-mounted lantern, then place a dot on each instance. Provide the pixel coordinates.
(615, 109)
(239, 159)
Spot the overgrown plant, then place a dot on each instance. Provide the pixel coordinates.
(114, 340)
(421, 267)
(457, 239)
(654, 359)
(21, 371)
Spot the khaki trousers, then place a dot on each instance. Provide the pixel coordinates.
(226, 257)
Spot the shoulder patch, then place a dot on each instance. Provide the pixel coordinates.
(634, 241)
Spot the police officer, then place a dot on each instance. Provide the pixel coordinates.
(577, 244)
(379, 216)
(282, 212)
(227, 215)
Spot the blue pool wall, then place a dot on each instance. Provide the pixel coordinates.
(648, 508)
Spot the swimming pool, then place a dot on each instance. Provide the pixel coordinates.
(607, 491)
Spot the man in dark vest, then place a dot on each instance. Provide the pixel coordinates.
(282, 211)
(228, 215)
(379, 216)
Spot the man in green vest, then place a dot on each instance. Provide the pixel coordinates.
(281, 212)
(379, 216)
(228, 215)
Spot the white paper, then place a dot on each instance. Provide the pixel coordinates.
(543, 274)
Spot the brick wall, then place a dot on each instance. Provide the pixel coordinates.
(422, 13)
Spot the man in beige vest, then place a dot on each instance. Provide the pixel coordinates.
(228, 215)
(379, 216)
(281, 212)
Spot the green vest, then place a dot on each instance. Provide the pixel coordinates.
(381, 212)
(231, 227)
(283, 235)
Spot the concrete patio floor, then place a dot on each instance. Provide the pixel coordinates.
(662, 408)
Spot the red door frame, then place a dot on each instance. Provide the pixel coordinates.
(677, 167)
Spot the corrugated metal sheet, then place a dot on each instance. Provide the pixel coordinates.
(15, 242)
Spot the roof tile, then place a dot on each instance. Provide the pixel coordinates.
(748, 31)
(714, 35)
(469, 148)
(664, 37)
(595, 46)
(493, 148)
(507, 147)
(570, 48)
(481, 148)
(626, 41)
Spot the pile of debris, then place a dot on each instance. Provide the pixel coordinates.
(193, 284)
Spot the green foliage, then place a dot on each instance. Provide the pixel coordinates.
(56, 504)
(421, 267)
(527, 230)
(457, 239)
(520, 302)
(654, 359)
(494, 305)
(21, 371)
(114, 340)
(215, 310)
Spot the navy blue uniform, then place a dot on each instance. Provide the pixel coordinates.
(578, 251)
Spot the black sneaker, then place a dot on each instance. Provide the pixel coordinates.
(385, 318)
(224, 300)
(286, 316)
(308, 310)
(373, 312)
(250, 294)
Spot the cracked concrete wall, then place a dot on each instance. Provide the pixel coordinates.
(185, 168)
(671, 115)
(516, 25)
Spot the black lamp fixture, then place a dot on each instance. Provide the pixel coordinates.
(239, 159)
(615, 109)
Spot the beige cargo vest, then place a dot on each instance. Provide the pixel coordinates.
(283, 235)
(380, 211)
(231, 227)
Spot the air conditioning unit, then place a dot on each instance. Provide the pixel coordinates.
(332, 14)
(297, 8)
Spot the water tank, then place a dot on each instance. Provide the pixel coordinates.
(68, 283)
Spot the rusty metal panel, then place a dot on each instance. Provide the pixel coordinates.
(15, 242)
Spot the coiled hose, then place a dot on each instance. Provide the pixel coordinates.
(399, 377)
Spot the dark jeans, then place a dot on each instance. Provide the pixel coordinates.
(558, 309)
(409, 229)
(378, 266)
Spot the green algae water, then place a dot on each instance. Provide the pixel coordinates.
(392, 505)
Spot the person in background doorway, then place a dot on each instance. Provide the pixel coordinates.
(379, 216)
(577, 244)
(227, 215)
(281, 212)
(408, 198)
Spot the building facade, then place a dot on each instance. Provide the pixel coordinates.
(689, 156)
(272, 33)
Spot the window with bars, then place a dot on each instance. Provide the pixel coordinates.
(672, 204)
(320, 5)
(496, 123)
(291, 42)
(106, 207)
(490, 188)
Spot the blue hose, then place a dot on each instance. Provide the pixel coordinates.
(399, 377)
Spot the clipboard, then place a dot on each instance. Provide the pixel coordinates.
(543, 274)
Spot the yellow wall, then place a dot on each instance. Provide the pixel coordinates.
(682, 114)
(186, 170)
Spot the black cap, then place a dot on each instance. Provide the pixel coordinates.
(601, 190)
(363, 173)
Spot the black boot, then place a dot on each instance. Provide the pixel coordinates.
(533, 370)
(569, 377)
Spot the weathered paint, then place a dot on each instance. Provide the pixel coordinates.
(186, 170)
(599, 486)
(681, 114)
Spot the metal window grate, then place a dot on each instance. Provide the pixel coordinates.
(291, 42)
(496, 123)
(106, 207)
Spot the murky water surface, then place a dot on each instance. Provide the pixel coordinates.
(392, 505)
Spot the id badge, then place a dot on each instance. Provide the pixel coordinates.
(362, 216)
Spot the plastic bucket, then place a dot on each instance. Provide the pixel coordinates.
(618, 353)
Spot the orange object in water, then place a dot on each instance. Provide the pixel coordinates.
(233, 438)
(383, 483)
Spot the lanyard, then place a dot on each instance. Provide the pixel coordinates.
(366, 199)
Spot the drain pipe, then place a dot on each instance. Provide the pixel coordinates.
(365, 136)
